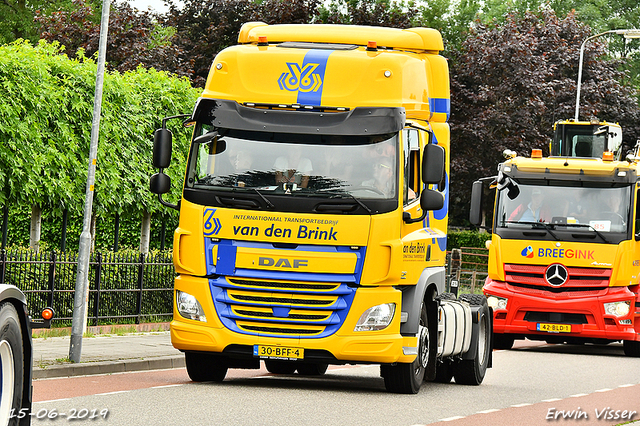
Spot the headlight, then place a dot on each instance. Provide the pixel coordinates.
(619, 309)
(496, 302)
(189, 307)
(376, 318)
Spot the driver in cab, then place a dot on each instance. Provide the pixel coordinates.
(534, 211)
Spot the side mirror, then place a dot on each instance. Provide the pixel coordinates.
(431, 200)
(475, 212)
(159, 183)
(432, 164)
(162, 140)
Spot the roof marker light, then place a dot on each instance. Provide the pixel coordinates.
(372, 45)
(536, 153)
(262, 41)
(607, 156)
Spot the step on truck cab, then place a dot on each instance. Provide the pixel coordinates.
(564, 257)
(313, 216)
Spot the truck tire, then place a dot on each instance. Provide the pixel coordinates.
(472, 371)
(502, 341)
(407, 377)
(280, 367)
(11, 363)
(444, 373)
(446, 296)
(631, 348)
(203, 367)
(310, 369)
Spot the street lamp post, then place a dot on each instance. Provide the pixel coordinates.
(79, 321)
(632, 33)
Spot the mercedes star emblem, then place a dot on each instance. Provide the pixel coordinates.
(556, 275)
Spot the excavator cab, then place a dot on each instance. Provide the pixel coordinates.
(586, 139)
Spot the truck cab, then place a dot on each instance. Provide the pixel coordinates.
(313, 215)
(564, 258)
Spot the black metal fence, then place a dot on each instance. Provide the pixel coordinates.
(468, 266)
(122, 287)
(132, 287)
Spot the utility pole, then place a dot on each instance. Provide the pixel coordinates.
(81, 297)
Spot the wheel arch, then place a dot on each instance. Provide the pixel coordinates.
(429, 285)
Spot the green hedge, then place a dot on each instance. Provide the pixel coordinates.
(457, 239)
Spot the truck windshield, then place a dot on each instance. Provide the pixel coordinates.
(600, 210)
(311, 165)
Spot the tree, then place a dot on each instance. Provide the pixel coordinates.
(17, 17)
(597, 14)
(205, 27)
(512, 81)
(135, 37)
(452, 19)
(45, 123)
(384, 13)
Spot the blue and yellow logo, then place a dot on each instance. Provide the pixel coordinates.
(527, 252)
(302, 79)
(306, 78)
(212, 224)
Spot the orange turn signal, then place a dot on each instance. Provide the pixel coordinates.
(47, 314)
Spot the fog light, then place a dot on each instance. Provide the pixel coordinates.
(189, 307)
(496, 302)
(376, 318)
(618, 309)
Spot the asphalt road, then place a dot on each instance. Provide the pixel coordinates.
(526, 386)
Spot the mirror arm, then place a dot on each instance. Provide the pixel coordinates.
(164, 120)
(406, 217)
(485, 227)
(167, 204)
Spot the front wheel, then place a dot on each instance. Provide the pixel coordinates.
(407, 377)
(310, 369)
(472, 371)
(11, 364)
(503, 341)
(631, 348)
(204, 367)
(280, 367)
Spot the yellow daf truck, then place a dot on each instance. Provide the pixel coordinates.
(313, 215)
(564, 257)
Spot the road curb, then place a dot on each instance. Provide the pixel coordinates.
(108, 367)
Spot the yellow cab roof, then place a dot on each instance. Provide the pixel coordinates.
(571, 165)
(335, 69)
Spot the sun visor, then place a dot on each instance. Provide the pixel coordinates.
(361, 121)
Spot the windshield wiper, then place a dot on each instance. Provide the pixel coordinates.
(547, 226)
(269, 203)
(348, 195)
(586, 225)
